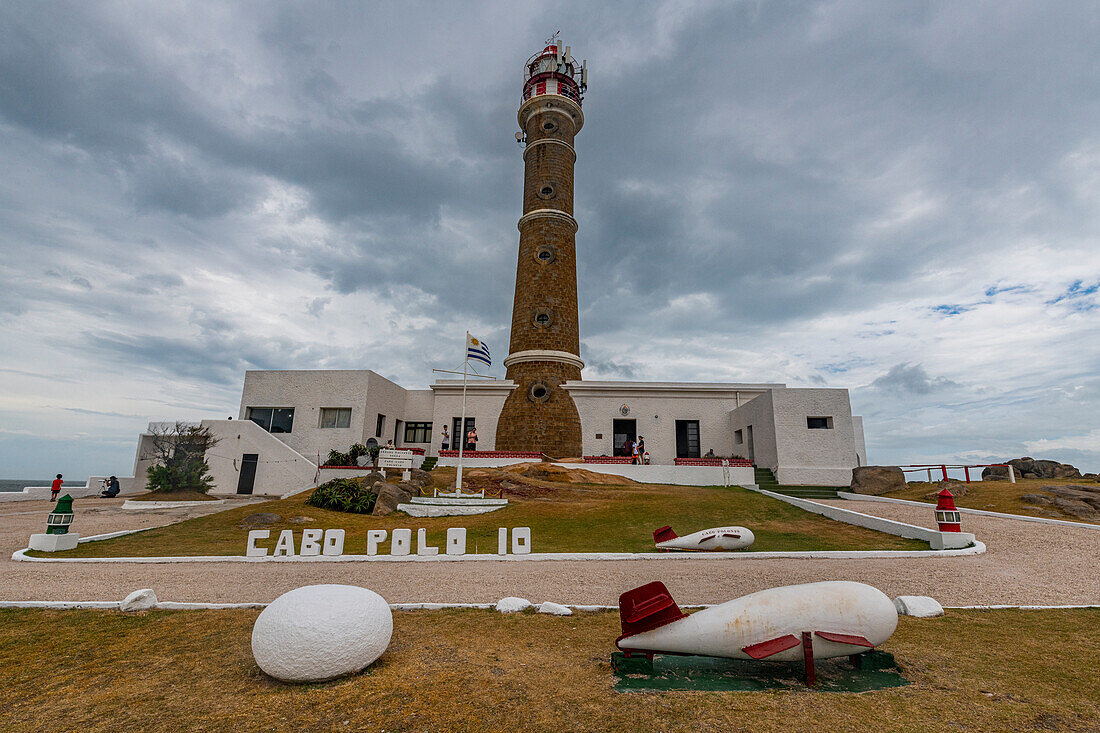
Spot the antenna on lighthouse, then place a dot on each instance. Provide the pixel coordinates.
(584, 74)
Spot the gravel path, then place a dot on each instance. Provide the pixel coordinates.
(1026, 563)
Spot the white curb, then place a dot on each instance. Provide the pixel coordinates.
(977, 549)
(1004, 515)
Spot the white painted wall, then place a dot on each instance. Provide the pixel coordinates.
(484, 401)
(817, 456)
(307, 391)
(655, 407)
(760, 446)
(280, 469)
(861, 443)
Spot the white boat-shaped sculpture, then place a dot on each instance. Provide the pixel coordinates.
(790, 623)
(707, 540)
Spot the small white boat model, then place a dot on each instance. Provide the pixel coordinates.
(785, 624)
(707, 540)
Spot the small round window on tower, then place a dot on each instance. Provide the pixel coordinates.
(543, 318)
(545, 190)
(549, 126)
(545, 254)
(538, 391)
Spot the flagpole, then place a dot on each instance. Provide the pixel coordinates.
(462, 424)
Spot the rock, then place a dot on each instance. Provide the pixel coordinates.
(389, 496)
(555, 609)
(1028, 467)
(1037, 499)
(877, 480)
(511, 604)
(301, 520)
(363, 460)
(957, 488)
(1076, 508)
(1091, 476)
(262, 518)
(420, 479)
(139, 600)
(373, 477)
(320, 632)
(918, 606)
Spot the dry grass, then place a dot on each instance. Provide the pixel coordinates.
(481, 671)
(997, 496)
(564, 517)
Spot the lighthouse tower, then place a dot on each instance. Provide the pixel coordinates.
(544, 350)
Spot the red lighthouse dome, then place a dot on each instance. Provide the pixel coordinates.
(554, 71)
(947, 515)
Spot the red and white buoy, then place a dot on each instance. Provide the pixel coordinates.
(947, 514)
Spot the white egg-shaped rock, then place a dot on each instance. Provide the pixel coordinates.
(320, 632)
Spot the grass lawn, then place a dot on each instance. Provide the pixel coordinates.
(482, 671)
(999, 496)
(563, 517)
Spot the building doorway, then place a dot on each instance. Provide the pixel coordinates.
(687, 438)
(397, 425)
(625, 432)
(751, 454)
(247, 480)
(459, 436)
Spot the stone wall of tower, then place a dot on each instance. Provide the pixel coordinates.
(544, 313)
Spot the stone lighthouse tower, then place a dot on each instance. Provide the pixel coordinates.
(544, 350)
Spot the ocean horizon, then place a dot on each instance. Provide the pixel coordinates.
(17, 484)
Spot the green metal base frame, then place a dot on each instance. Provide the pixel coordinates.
(876, 671)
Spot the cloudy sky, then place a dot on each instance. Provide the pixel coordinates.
(898, 198)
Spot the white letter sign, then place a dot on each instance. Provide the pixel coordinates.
(256, 534)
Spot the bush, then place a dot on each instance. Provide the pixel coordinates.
(178, 452)
(344, 495)
(336, 458)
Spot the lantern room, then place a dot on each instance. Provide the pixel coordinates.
(554, 71)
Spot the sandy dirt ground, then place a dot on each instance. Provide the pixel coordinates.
(1026, 563)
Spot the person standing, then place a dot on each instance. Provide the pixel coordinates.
(55, 488)
(634, 460)
(446, 444)
(471, 439)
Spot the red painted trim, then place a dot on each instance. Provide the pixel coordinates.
(734, 462)
(771, 646)
(808, 658)
(609, 459)
(491, 454)
(845, 639)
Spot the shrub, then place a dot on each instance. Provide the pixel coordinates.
(336, 458)
(344, 495)
(178, 451)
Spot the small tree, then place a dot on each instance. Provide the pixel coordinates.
(178, 452)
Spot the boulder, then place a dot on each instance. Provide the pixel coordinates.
(957, 488)
(320, 632)
(139, 600)
(1037, 499)
(1076, 508)
(918, 606)
(1028, 467)
(420, 479)
(876, 480)
(389, 496)
(1091, 476)
(511, 604)
(374, 477)
(555, 609)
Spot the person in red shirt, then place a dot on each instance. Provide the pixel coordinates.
(55, 488)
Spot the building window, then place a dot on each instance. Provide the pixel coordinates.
(687, 438)
(418, 432)
(273, 419)
(739, 436)
(819, 423)
(379, 425)
(335, 417)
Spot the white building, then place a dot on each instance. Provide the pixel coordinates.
(290, 420)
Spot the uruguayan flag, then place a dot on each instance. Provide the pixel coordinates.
(477, 350)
